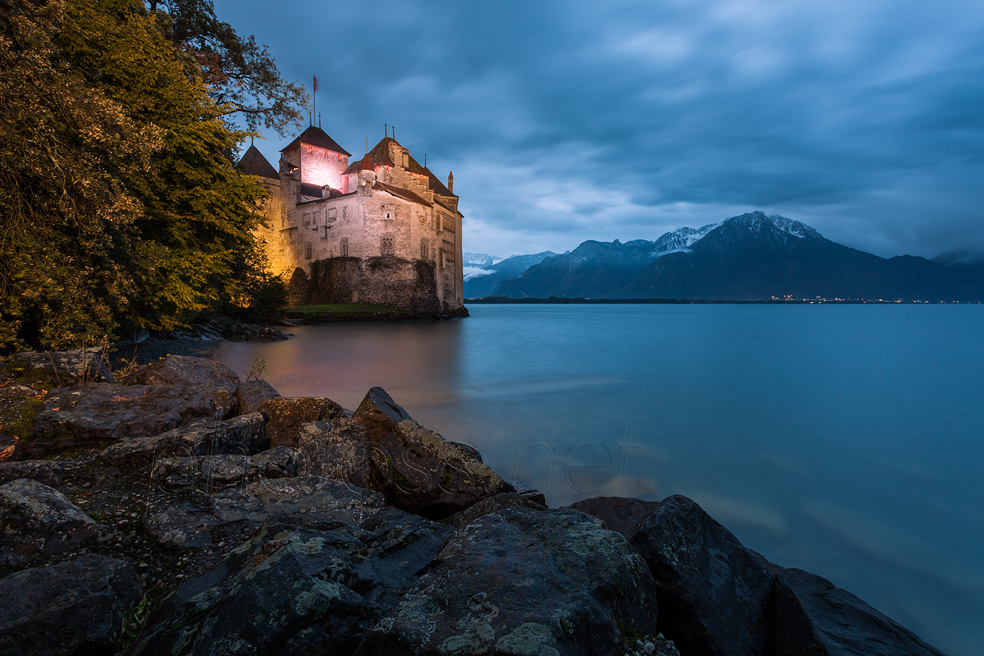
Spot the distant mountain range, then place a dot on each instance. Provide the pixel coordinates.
(484, 273)
(748, 257)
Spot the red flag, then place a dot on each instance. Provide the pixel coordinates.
(315, 83)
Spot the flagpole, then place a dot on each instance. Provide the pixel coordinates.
(314, 96)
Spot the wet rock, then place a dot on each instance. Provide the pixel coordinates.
(243, 435)
(529, 492)
(191, 372)
(620, 514)
(305, 591)
(58, 368)
(49, 472)
(252, 394)
(812, 616)
(284, 503)
(523, 581)
(421, 472)
(288, 415)
(380, 414)
(36, 520)
(335, 449)
(219, 471)
(104, 412)
(712, 591)
(73, 607)
(491, 505)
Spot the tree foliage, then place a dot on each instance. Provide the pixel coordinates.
(120, 202)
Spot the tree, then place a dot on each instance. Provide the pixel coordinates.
(68, 219)
(121, 204)
(240, 75)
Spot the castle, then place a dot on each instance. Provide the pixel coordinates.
(382, 230)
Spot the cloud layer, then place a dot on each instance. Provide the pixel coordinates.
(566, 121)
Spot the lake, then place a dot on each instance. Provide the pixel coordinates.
(841, 439)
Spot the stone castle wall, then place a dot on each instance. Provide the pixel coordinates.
(383, 280)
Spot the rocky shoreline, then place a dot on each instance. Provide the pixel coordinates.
(179, 510)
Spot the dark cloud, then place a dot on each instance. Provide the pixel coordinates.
(566, 121)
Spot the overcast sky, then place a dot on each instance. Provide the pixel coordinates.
(567, 121)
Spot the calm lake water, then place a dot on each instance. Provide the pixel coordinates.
(845, 440)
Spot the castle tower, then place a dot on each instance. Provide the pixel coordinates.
(322, 162)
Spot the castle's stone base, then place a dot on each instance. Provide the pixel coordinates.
(385, 280)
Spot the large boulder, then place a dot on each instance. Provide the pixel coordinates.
(252, 394)
(49, 472)
(335, 449)
(491, 505)
(217, 472)
(191, 372)
(810, 615)
(304, 591)
(419, 471)
(713, 593)
(287, 416)
(36, 520)
(283, 503)
(620, 514)
(75, 607)
(380, 414)
(243, 435)
(58, 368)
(77, 416)
(523, 581)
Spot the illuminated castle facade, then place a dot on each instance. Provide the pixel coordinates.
(382, 229)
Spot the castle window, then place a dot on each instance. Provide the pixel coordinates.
(386, 246)
(343, 247)
(424, 250)
(331, 213)
(344, 212)
(306, 219)
(387, 214)
(307, 252)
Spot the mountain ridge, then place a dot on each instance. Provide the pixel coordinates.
(746, 257)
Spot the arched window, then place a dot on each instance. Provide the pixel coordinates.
(424, 250)
(386, 247)
(307, 251)
(343, 247)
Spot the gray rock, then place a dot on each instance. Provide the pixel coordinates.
(335, 449)
(308, 501)
(523, 581)
(59, 368)
(380, 414)
(529, 492)
(288, 415)
(105, 412)
(620, 514)
(252, 394)
(304, 591)
(241, 435)
(491, 505)
(220, 471)
(812, 616)
(221, 381)
(73, 607)
(712, 591)
(421, 472)
(36, 520)
(49, 472)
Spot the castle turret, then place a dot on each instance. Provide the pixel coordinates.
(367, 172)
(322, 162)
(451, 181)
